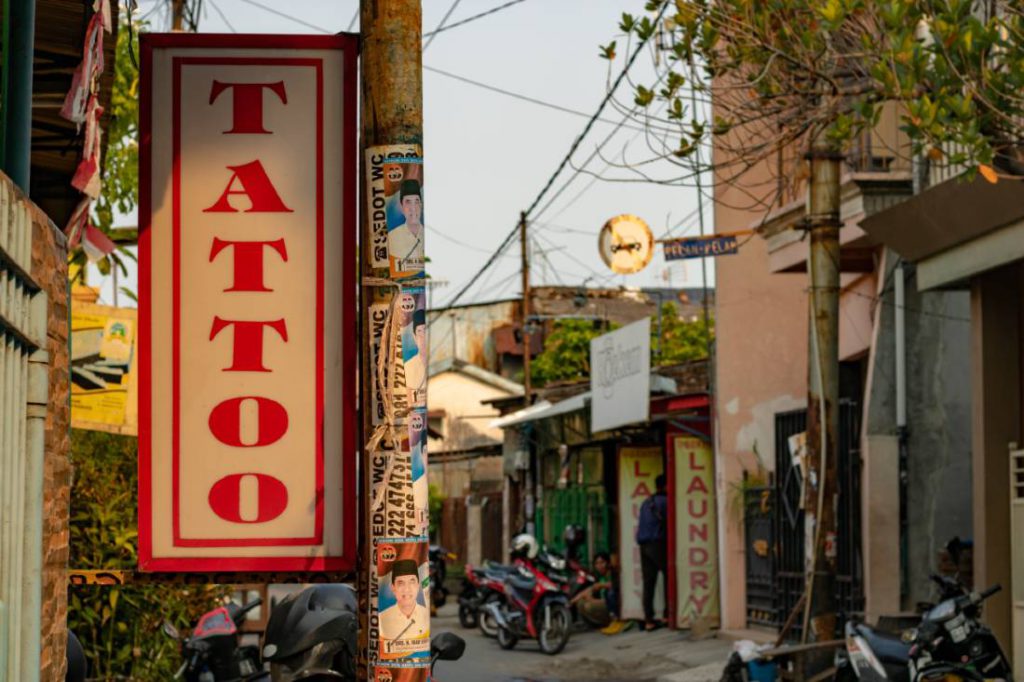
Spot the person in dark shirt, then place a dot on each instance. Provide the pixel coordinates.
(651, 535)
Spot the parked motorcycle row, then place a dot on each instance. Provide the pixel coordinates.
(950, 644)
(531, 598)
(310, 636)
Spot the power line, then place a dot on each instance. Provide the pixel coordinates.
(604, 102)
(440, 26)
(355, 18)
(516, 95)
(222, 16)
(453, 240)
(287, 16)
(441, 29)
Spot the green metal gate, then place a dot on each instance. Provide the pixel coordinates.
(586, 506)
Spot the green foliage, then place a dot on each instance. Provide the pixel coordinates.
(119, 625)
(566, 355)
(790, 70)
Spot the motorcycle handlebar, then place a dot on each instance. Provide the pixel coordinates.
(985, 594)
(247, 608)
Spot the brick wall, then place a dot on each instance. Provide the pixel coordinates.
(49, 269)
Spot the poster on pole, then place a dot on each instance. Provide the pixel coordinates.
(395, 188)
(401, 606)
(638, 467)
(694, 540)
(247, 317)
(620, 364)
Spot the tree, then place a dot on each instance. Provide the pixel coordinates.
(787, 76)
(119, 626)
(566, 354)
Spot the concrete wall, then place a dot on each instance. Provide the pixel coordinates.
(997, 370)
(49, 268)
(938, 444)
(760, 369)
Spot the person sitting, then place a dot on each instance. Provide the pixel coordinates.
(599, 603)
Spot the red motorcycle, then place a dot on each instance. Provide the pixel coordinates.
(535, 606)
(482, 586)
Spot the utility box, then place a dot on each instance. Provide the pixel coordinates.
(1017, 557)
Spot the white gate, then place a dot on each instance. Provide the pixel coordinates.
(23, 397)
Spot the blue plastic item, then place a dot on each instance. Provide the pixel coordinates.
(762, 671)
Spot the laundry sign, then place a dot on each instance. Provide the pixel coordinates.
(247, 318)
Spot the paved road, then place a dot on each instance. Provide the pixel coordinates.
(589, 657)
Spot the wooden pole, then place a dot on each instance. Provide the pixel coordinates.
(392, 114)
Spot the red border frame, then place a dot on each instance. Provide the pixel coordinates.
(317, 538)
(348, 44)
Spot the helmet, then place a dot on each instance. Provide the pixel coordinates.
(525, 545)
(574, 535)
(313, 633)
(77, 667)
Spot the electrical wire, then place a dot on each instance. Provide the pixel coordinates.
(286, 16)
(441, 29)
(355, 18)
(457, 242)
(223, 17)
(516, 95)
(440, 26)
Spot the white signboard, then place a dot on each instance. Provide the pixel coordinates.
(620, 376)
(247, 308)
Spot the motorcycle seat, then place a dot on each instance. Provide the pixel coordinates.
(889, 648)
(520, 583)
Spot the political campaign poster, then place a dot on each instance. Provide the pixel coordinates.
(399, 484)
(418, 457)
(415, 357)
(421, 674)
(103, 382)
(694, 535)
(638, 467)
(395, 198)
(403, 602)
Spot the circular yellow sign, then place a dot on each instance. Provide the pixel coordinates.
(626, 244)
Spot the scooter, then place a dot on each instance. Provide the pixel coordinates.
(212, 653)
(950, 643)
(535, 608)
(438, 557)
(481, 584)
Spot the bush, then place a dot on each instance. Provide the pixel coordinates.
(119, 626)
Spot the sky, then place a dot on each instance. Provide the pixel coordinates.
(488, 155)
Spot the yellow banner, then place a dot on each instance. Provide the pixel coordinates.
(696, 533)
(104, 388)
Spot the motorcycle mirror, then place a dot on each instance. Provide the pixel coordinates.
(954, 547)
(447, 646)
(170, 630)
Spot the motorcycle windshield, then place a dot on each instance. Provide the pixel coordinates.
(216, 622)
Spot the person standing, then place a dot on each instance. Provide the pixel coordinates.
(652, 537)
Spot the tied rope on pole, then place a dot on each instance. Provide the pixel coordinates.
(389, 343)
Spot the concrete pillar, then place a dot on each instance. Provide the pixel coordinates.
(474, 538)
(996, 308)
(880, 515)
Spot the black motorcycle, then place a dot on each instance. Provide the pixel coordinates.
(212, 653)
(950, 643)
(312, 635)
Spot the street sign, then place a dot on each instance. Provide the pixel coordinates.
(247, 314)
(700, 247)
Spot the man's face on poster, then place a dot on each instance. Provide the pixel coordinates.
(406, 587)
(412, 209)
(421, 339)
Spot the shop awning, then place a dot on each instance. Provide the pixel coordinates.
(541, 410)
(545, 409)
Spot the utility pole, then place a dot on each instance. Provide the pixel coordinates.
(525, 267)
(820, 477)
(177, 15)
(392, 115)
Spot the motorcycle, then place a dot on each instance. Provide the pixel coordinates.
(312, 635)
(212, 653)
(535, 607)
(949, 644)
(480, 585)
(438, 555)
